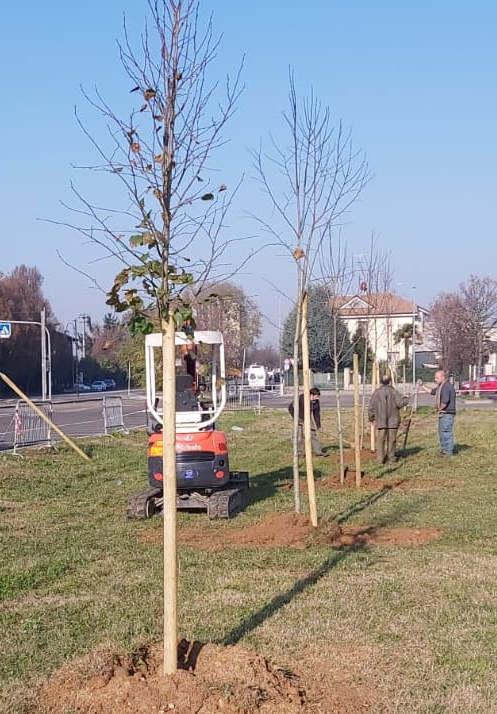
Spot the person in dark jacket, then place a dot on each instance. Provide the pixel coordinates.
(384, 411)
(315, 422)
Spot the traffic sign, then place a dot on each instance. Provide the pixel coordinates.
(5, 330)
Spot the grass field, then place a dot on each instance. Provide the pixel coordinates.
(412, 629)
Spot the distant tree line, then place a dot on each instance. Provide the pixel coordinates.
(463, 324)
(110, 347)
(22, 298)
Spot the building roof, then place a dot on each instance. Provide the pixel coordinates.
(375, 304)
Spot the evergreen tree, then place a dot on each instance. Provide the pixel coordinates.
(360, 345)
(320, 333)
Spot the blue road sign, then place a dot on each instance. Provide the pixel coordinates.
(5, 330)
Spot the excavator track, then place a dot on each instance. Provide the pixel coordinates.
(227, 503)
(144, 505)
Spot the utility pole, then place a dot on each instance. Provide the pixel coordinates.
(414, 310)
(43, 355)
(76, 352)
(84, 318)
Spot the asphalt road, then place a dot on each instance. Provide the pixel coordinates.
(79, 417)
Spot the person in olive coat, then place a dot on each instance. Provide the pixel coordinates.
(384, 410)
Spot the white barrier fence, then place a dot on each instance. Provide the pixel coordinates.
(243, 400)
(29, 427)
(20, 427)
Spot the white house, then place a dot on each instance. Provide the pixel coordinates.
(491, 364)
(380, 315)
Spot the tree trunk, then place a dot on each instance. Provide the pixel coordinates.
(357, 421)
(364, 378)
(169, 490)
(296, 339)
(338, 403)
(372, 424)
(311, 490)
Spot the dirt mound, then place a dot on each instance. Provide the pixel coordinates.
(370, 483)
(212, 679)
(294, 530)
(274, 531)
(387, 536)
(333, 483)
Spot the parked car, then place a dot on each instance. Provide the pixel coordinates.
(82, 388)
(110, 383)
(487, 384)
(98, 386)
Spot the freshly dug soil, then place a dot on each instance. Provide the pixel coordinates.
(370, 483)
(333, 483)
(213, 679)
(278, 530)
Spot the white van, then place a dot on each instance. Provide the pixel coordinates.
(256, 377)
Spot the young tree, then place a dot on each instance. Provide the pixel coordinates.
(338, 276)
(311, 179)
(168, 232)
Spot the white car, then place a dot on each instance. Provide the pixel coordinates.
(98, 386)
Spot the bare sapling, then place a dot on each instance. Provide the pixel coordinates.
(357, 421)
(167, 233)
(311, 179)
(306, 373)
(337, 277)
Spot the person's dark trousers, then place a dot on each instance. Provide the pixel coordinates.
(446, 433)
(316, 444)
(386, 443)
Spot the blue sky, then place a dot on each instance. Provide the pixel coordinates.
(415, 82)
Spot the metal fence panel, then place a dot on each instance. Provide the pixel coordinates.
(29, 427)
(326, 380)
(112, 410)
(244, 400)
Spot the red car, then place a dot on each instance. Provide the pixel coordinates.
(487, 384)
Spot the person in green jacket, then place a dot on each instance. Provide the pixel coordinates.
(384, 410)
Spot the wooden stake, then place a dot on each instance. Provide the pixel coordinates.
(374, 385)
(169, 491)
(43, 416)
(307, 414)
(357, 421)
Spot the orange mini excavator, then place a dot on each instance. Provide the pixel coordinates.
(204, 481)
